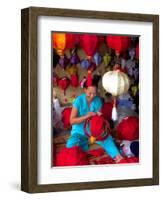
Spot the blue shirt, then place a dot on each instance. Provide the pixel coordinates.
(82, 107)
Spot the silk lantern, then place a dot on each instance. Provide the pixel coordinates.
(89, 43)
(63, 41)
(116, 83)
(74, 80)
(118, 43)
(63, 83)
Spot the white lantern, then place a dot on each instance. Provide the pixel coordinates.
(116, 83)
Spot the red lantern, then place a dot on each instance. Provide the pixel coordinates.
(71, 157)
(89, 43)
(128, 128)
(66, 117)
(74, 80)
(118, 43)
(70, 40)
(64, 83)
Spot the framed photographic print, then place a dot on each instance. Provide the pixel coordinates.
(90, 99)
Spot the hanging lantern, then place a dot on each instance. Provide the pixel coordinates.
(116, 83)
(85, 64)
(62, 41)
(132, 53)
(128, 128)
(89, 43)
(118, 43)
(63, 61)
(70, 40)
(64, 83)
(97, 58)
(74, 59)
(74, 80)
(72, 69)
(106, 59)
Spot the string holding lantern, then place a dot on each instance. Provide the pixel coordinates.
(118, 43)
(116, 83)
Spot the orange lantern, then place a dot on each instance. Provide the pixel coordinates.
(63, 41)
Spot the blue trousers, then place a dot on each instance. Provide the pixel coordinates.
(82, 141)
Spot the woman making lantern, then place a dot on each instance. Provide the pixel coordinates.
(85, 107)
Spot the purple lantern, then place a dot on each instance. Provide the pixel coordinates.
(74, 59)
(63, 62)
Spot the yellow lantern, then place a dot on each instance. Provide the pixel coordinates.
(117, 83)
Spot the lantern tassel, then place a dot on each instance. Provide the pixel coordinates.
(114, 111)
(89, 79)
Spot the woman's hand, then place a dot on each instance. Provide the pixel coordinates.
(90, 114)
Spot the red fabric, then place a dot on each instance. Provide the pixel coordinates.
(118, 43)
(96, 152)
(64, 83)
(107, 110)
(74, 80)
(122, 161)
(128, 129)
(97, 127)
(89, 43)
(66, 117)
(71, 157)
(105, 160)
(89, 79)
(133, 160)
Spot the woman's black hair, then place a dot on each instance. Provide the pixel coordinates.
(95, 81)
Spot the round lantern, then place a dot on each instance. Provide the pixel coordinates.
(62, 41)
(118, 43)
(128, 129)
(116, 83)
(89, 43)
